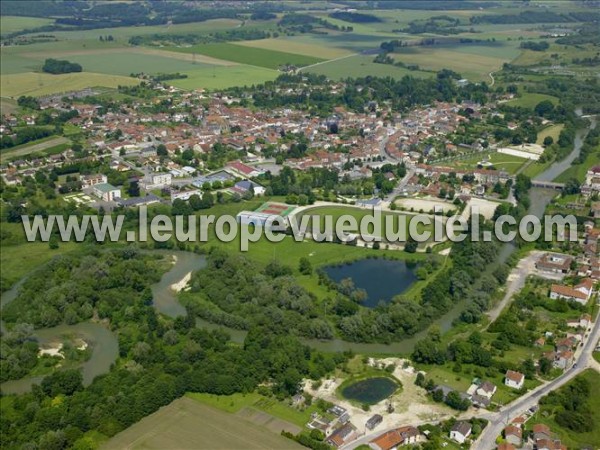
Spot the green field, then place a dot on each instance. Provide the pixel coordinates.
(500, 161)
(16, 261)
(186, 423)
(37, 84)
(531, 99)
(253, 56)
(553, 131)
(39, 146)
(11, 24)
(218, 77)
(362, 66)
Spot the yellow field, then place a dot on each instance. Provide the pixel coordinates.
(38, 84)
(300, 48)
(553, 131)
(188, 424)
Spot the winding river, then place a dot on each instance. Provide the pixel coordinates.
(105, 348)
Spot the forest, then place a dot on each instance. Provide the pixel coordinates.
(159, 358)
(57, 66)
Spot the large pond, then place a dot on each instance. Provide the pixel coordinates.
(371, 390)
(382, 279)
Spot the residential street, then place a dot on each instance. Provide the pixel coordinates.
(498, 420)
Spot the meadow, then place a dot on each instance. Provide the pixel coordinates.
(553, 131)
(219, 77)
(12, 24)
(40, 146)
(186, 423)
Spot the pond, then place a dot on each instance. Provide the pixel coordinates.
(370, 390)
(382, 279)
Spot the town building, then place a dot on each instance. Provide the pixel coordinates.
(554, 263)
(513, 435)
(91, 180)
(581, 293)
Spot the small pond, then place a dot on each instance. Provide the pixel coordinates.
(382, 279)
(370, 390)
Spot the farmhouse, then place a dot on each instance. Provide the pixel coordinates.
(460, 432)
(342, 435)
(395, 438)
(514, 379)
(106, 192)
(554, 263)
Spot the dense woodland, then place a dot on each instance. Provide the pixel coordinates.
(160, 359)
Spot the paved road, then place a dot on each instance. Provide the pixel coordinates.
(498, 421)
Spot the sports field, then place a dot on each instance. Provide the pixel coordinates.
(188, 424)
(280, 209)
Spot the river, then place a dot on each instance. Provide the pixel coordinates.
(105, 349)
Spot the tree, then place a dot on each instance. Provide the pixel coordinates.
(572, 186)
(304, 266)
(161, 150)
(548, 140)
(544, 108)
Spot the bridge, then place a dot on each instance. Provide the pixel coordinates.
(547, 184)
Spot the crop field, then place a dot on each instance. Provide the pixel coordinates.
(362, 66)
(292, 45)
(473, 62)
(36, 84)
(11, 24)
(186, 423)
(219, 77)
(270, 59)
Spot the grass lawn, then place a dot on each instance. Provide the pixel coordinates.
(568, 437)
(500, 161)
(553, 131)
(224, 77)
(535, 168)
(253, 56)
(530, 100)
(596, 356)
(38, 84)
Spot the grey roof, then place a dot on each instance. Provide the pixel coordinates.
(463, 428)
(135, 201)
(105, 187)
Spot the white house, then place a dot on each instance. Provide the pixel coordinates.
(460, 432)
(514, 379)
(580, 293)
(106, 192)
